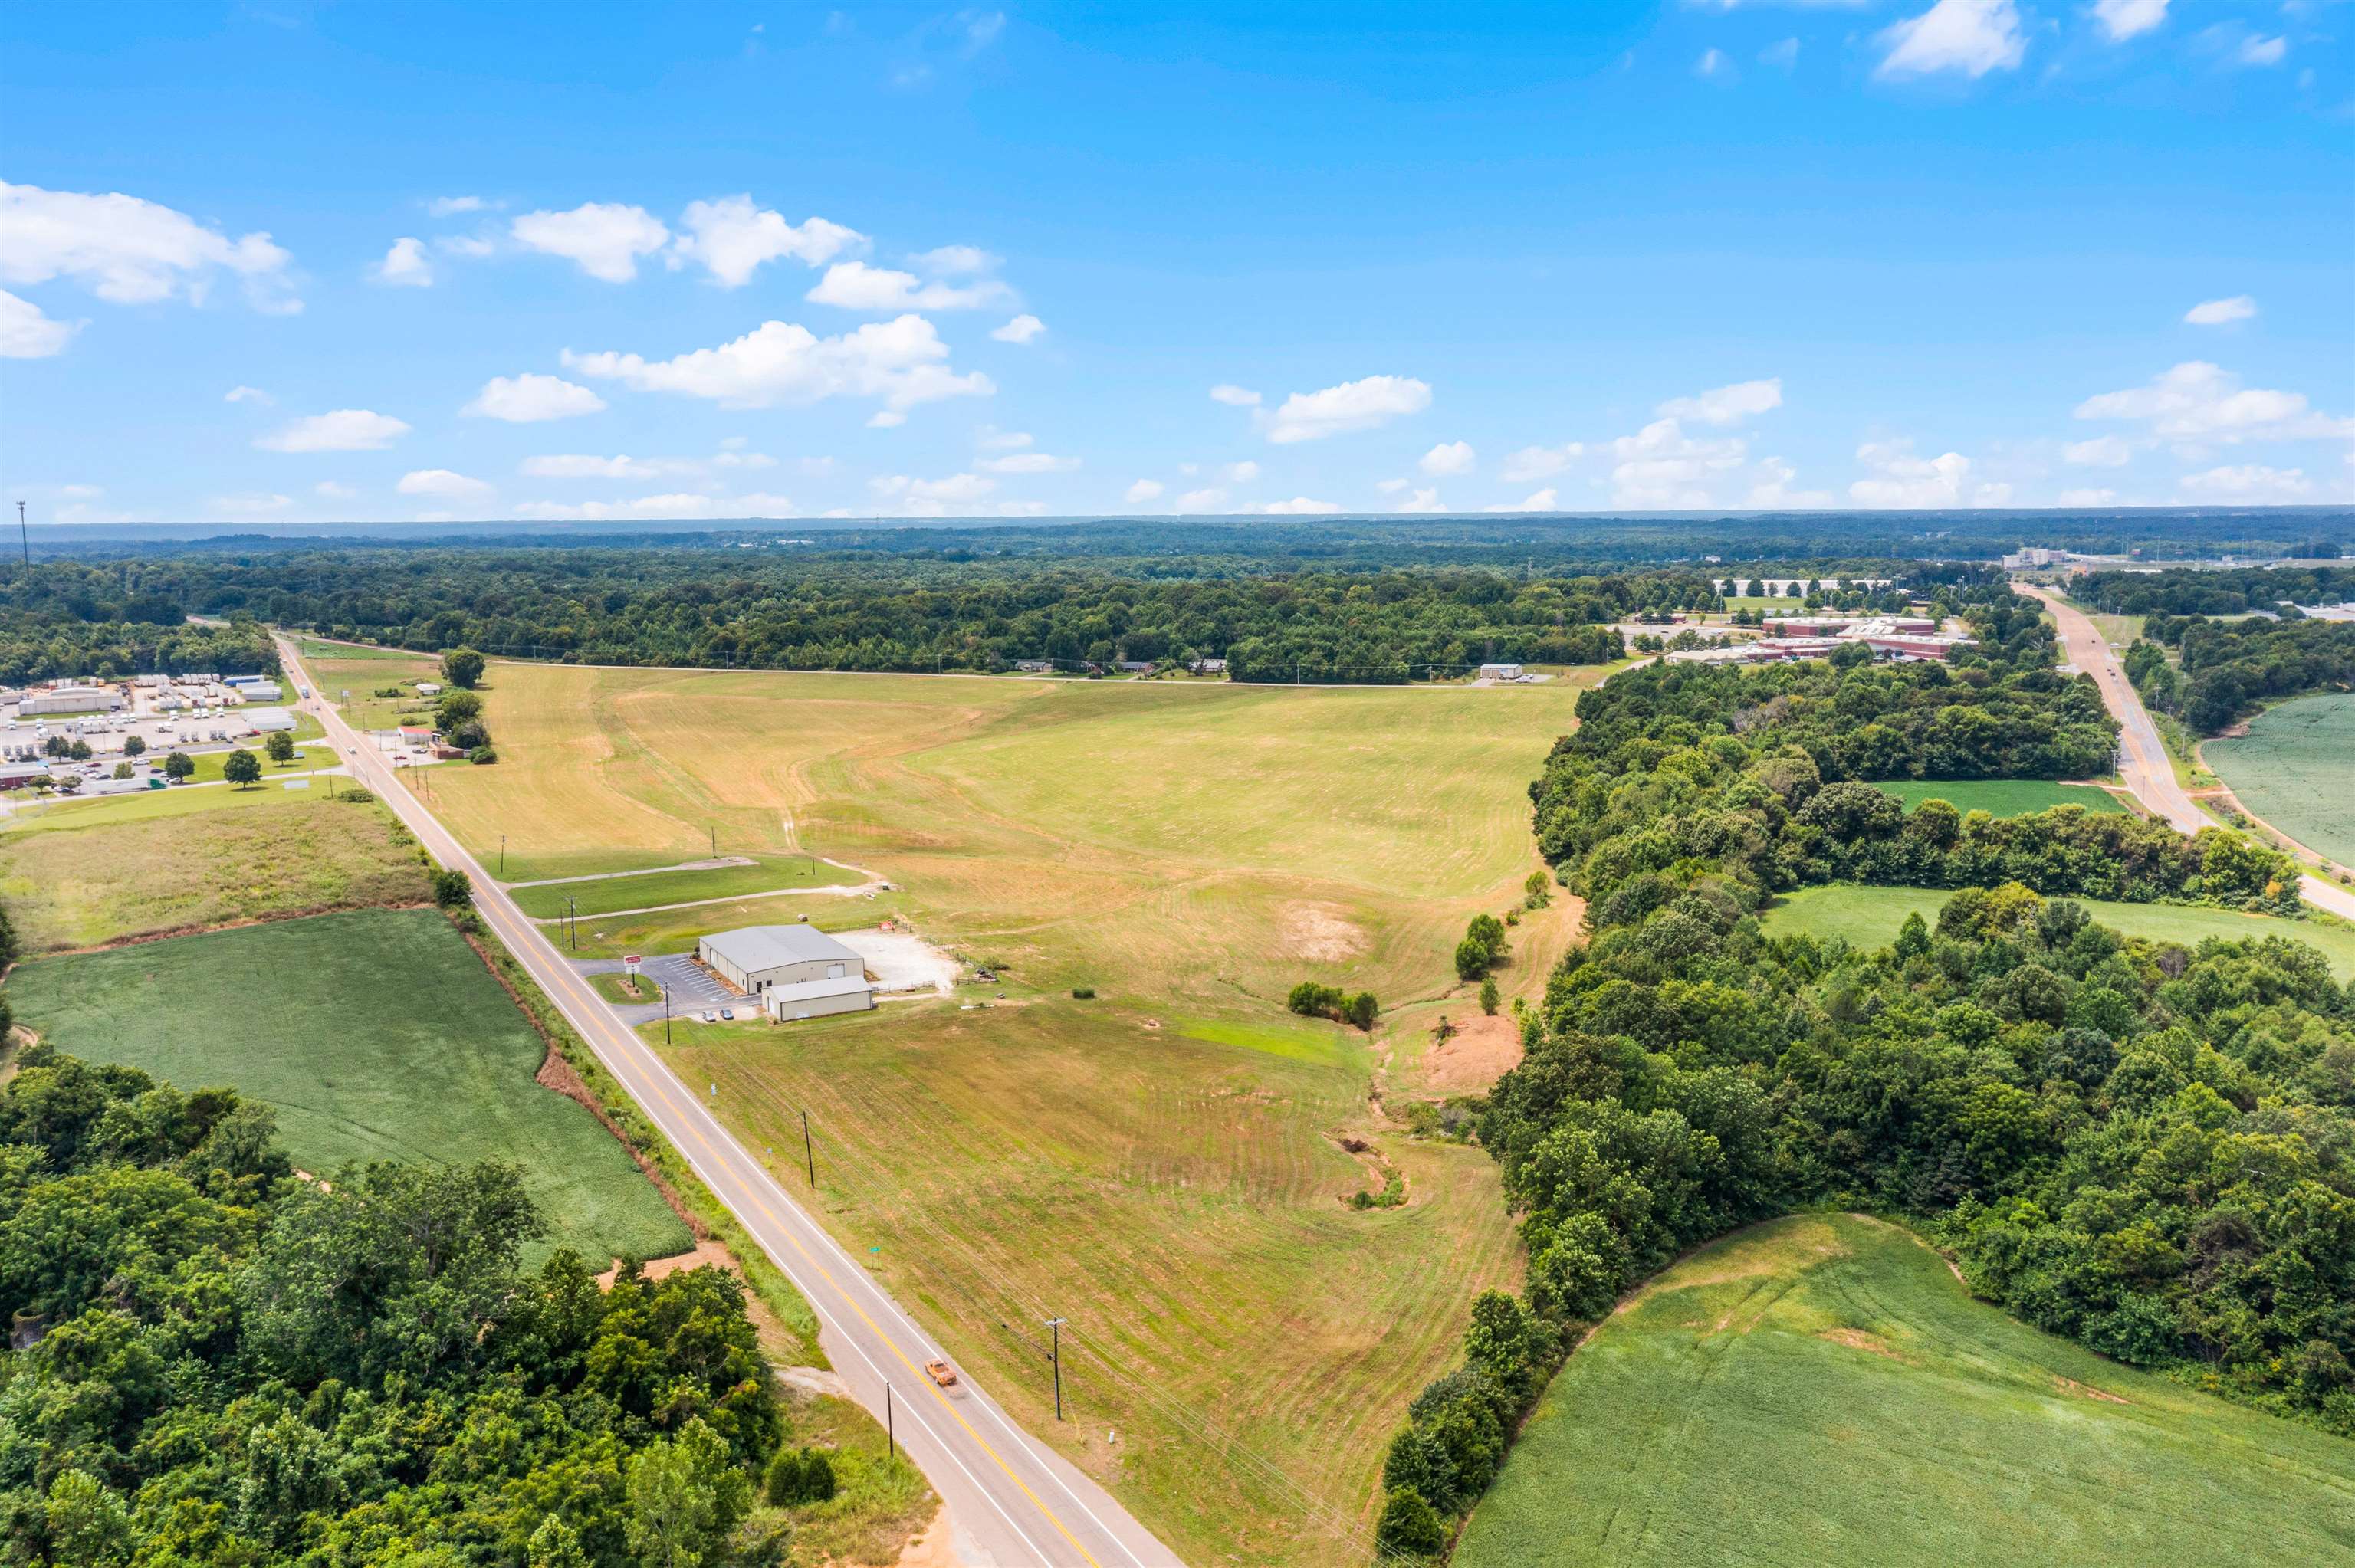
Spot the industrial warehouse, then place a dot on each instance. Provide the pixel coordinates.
(795, 971)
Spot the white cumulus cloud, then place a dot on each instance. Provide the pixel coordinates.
(450, 206)
(1448, 457)
(2219, 313)
(898, 361)
(27, 333)
(676, 505)
(1973, 37)
(342, 430)
(2256, 51)
(1537, 500)
(603, 238)
(529, 398)
(1902, 479)
(2100, 495)
(1540, 462)
(2248, 482)
(2196, 403)
(1662, 466)
(1030, 462)
(1144, 490)
(1204, 499)
(248, 395)
(442, 483)
(2102, 451)
(1234, 396)
(1726, 405)
(328, 489)
(1424, 499)
(2125, 18)
(252, 504)
(731, 238)
(856, 286)
(1021, 329)
(404, 266)
(1772, 491)
(932, 497)
(1336, 410)
(1298, 506)
(128, 251)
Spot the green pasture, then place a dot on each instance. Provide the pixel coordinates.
(653, 890)
(1868, 918)
(375, 1035)
(2295, 768)
(2000, 797)
(82, 876)
(1821, 1390)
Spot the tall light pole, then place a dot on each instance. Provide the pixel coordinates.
(23, 539)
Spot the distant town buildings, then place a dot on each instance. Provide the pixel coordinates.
(1901, 639)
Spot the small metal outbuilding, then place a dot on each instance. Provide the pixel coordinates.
(817, 997)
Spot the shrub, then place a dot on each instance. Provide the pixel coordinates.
(1409, 1525)
(1472, 960)
(1083, 993)
(1311, 999)
(1363, 1009)
(482, 754)
(800, 1475)
(453, 890)
(1488, 997)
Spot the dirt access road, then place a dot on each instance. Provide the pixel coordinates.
(1012, 1502)
(2142, 757)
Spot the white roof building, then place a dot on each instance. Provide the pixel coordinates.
(754, 958)
(816, 999)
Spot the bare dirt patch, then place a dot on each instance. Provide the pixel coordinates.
(2086, 1390)
(1480, 1051)
(706, 1254)
(934, 1546)
(1321, 932)
(1863, 1340)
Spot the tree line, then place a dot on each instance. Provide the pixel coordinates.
(2230, 669)
(2230, 592)
(218, 1363)
(49, 642)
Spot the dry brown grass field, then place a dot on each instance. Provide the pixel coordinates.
(1162, 1165)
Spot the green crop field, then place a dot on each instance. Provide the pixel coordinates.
(2295, 768)
(376, 1034)
(83, 875)
(1869, 917)
(2000, 797)
(654, 889)
(1821, 1390)
(338, 668)
(1160, 1163)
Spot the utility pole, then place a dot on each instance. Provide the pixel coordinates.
(809, 1153)
(503, 857)
(890, 1430)
(1056, 1324)
(665, 1016)
(23, 539)
(571, 923)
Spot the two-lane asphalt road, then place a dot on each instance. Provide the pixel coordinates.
(2142, 757)
(1013, 1503)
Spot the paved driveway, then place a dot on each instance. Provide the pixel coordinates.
(690, 987)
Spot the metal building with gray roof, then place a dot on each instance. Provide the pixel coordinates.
(820, 974)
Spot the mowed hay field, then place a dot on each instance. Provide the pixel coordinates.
(1179, 1200)
(2295, 768)
(2000, 797)
(375, 1035)
(1868, 918)
(1204, 842)
(1190, 853)
(80, 875)
(1822, 1389)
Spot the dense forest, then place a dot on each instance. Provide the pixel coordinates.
(221, 1364)
(1765, 775)
(2231, 592)
(640, 608)
(48, 644)
(2149, 1148)
(2229, 669)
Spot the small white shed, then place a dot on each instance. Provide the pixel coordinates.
(816, 999)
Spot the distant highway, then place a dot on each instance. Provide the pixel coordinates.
(1013, 1502)
(2142, 757)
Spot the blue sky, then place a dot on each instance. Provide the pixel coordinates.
(284, 261)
